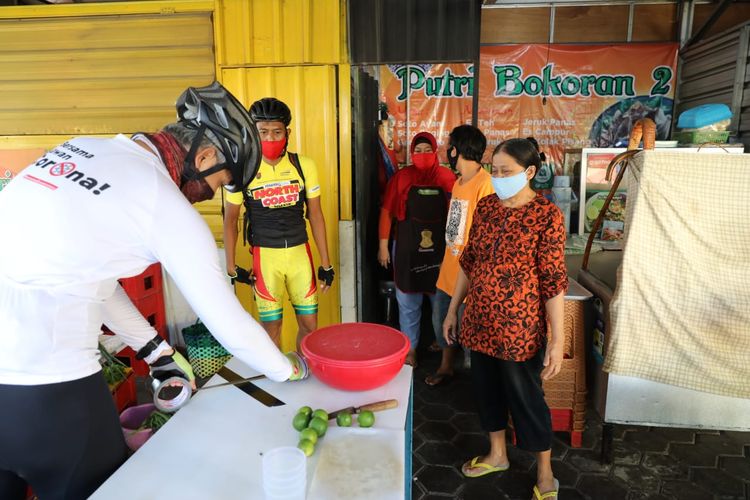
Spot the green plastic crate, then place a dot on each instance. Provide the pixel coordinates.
(701, 137)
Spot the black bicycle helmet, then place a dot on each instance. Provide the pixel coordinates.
(214, 108)
(270, 109)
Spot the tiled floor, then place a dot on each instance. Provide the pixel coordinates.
(649, 463)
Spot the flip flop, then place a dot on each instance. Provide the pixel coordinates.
(437, 379)
(488, 469)
(550, 494)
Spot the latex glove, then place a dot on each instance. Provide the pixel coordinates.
(299, 367)
(243, 276)
(172, 365)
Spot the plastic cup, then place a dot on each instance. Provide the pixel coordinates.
(284, 473)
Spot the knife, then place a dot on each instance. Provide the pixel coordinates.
(379, 406)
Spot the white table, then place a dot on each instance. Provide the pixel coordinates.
(212, 447)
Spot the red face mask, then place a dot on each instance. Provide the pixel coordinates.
(197, 190)
(424, 160)
(272, 149)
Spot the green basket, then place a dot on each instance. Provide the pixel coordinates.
(205, 353)
(701, 136)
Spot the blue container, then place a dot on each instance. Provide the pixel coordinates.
(704, 115)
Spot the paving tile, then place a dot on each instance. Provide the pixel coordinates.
(665, 466)
(437, 431)
(559, 447)
(516, 483)
(417, 417)
(718, 482)
(565, 473)
(472, 444)
(435, 496)
(570, 494)
(646, 440)
(438, 479)
(739, 467)
(675, 435)
(639, 495)
(441, 453)
(591, 435)
(586, 461)
(693, 455)
(521, 459)
(619, 431)
(719, 444)
(637, 478)
(684, 490)
(437, 412)
(416, 440)
(740, 437)
(625, 453)
(599, 486)
(481, 491)
(467, 422)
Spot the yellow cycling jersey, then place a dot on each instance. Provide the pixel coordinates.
(275, 202)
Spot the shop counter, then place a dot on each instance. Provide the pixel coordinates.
(212, 448)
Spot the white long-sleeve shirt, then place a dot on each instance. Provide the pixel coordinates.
(87, 213)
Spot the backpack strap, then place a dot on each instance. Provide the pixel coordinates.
(294, 160)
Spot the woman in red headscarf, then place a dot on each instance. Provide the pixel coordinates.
(417, 197)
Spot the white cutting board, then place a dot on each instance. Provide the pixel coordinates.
(359, 464)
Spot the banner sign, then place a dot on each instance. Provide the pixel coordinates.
(438, 98)
(574, 96)
(566, 96)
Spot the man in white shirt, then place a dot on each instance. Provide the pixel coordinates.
(86, 213)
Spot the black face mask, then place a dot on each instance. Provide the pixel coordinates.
(453, 160)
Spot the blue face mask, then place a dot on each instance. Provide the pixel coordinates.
(508, 187)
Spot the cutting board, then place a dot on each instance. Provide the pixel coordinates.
(360, 464)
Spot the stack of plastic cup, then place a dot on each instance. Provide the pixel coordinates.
(284, 474)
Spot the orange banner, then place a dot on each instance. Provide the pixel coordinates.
(438, 98)
(566, 96)
(573, 96)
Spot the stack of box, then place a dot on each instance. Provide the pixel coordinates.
(566, 393)
(146, 291)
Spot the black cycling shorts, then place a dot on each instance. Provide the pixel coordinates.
(64, 439)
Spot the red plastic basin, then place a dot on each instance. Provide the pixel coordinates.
(355, 356)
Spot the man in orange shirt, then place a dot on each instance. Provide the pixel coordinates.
(467, 145)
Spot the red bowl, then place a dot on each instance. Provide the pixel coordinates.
(355, 356)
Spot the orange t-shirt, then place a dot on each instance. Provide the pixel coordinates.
(463, 202)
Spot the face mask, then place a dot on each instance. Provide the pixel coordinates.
(197, 190)
(272, 149)
(508, 187)
(453, 160)
(424, 160)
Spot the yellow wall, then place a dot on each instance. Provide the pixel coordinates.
(118, 68)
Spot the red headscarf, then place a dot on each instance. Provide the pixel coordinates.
(399, 185)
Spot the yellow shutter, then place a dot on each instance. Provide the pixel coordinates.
(100, 74)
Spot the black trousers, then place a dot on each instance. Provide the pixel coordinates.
(64, 440)
(515, 387)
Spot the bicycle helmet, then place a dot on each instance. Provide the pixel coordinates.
(214, 108)
(270, 109)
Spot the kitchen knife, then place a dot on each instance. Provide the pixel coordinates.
(379, 406)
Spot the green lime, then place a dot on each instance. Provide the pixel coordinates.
(319, 425)
(366, 418)
(305, 409)
(309, 434)
(344, 419)
(321, 414)
(307, 446)
(300, 421)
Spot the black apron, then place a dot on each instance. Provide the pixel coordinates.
(420, 240)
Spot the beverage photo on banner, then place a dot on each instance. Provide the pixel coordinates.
(438, 98)
(574, 96)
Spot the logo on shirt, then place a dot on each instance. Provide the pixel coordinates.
(455, 228)
(277, 195)
(67, 170)
(426, 242)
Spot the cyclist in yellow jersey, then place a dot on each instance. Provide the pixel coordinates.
(275, 227)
